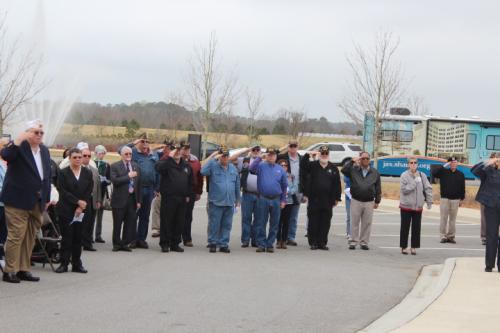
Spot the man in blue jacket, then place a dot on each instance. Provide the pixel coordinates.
(272, 184)
(146, 160)
(223, 198)
(25, 193)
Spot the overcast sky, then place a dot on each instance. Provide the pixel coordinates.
(293, 51)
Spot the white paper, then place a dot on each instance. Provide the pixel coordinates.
(78, 219)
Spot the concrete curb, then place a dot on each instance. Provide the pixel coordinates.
(430, 284)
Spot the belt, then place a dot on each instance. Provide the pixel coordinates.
(250, 192)
(274, 197)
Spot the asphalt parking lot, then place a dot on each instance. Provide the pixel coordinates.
(293, 290)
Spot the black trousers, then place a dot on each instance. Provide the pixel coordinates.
(172, 219)
(71, 245)
(284, 223)
(492, 216)
(318, 224)
(88, 226)
(414, 219)
(124, 222)
(186, 231)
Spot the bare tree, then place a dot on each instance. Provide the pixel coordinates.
(210, 90)
(254, 102)
(19, 72)
(376, 83)
(296, 121)
(416, 104)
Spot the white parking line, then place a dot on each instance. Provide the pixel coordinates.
(427, 236)
(434, 248)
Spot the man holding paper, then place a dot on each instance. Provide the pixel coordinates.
(75, 186)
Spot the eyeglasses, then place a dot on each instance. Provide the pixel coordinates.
(86, 155)
(144, 141)
(256, 149)
(365, 158)
(293, 146)
(39, 132)
(284, 165)
(76, 157)
(127, 154)
(412, 162)
(324, 153)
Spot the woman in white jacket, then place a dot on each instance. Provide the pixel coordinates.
(416, 190)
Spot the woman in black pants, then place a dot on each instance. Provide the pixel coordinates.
(287, 211)
(75, 189)
(415, 192)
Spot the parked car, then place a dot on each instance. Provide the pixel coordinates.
(211, 147)
(340, 152)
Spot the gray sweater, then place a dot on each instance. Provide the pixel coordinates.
(413, 189)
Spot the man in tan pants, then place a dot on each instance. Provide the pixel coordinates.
(25, 193)
(155, 215)
(366, 194)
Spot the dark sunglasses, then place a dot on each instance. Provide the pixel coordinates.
(39, 132)
(293, 146)
(412, 162)
(365, 158)
(76, 157)
(256, 149)
(86, 155)
(325, 153)
(144, 141)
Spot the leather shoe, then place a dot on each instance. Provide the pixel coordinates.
(270, 250)
(323, 247)
(100, 240)
(142, 244)
(10, 277)
(188, 244)
(352, 247)
(364, 247)
(116, 248)
(443, 240)
(213, 249)
(132, 245)
(27, 276)
(125, 248)
(177, 249)
(79, 269)
(260, 250)
(489, 270)
(62, 269)
(291, 242)
(452, 241)
(165, 249)
(244, 245)
(224, 250)
(89, 248)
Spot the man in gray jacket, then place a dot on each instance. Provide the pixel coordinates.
(366, 194)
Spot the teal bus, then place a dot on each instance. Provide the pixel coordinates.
(431, 139)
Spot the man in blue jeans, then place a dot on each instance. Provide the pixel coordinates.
(146, 160)
(272, 184)
(223, 198)
(250, 194)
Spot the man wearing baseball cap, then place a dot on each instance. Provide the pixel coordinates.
(272, 184)
(452, 188)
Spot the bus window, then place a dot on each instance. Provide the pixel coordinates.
(405, 136)
(493, 142)
(471, 140)
(387, 135)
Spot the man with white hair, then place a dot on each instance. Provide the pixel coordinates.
(126, 199)
(25, 193)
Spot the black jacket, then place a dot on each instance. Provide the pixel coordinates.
(22, 186)
(176, 178)
(322, 187)
(452, 183)
(489, 191)
(363, 188)
(120, 181)
(71, 190)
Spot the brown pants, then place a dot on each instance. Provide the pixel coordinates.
(155, 214)
(361, 222)
(22, 227)
(448, 209)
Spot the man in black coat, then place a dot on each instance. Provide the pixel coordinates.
(176, 188)
(323, 191)
(25, 193)
(126, 199)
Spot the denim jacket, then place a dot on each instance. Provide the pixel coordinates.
(224, 183)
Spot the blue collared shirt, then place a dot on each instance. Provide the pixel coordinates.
(149, 176)
(271, 179)
(224, 183)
